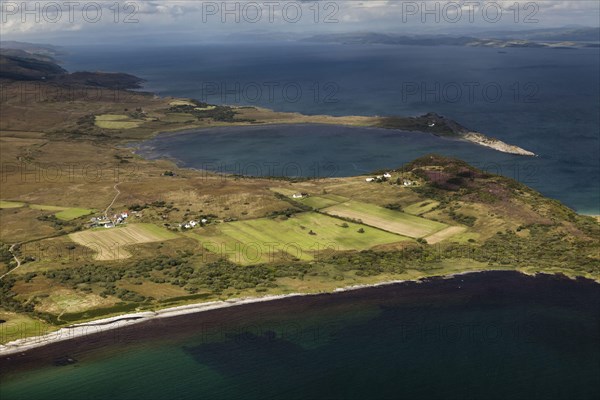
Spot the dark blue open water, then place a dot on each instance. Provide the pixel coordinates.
(493, 335)
(544, 100)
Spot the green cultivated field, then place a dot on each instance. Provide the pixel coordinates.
(257, 241)
(388, 220)
(323, 201)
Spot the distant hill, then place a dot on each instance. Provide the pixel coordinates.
(18, 65)
(561, 38)
(31, 62)
(555, 34)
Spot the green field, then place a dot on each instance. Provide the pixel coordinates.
(10, 204)
(18, 326)
(263, 240)
(116, 121)
(323, 201)
(386, 219)
(72, 213)
(63, 213)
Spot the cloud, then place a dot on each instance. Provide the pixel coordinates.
(161, 18)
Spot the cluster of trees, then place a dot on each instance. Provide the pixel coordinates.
(544, 247)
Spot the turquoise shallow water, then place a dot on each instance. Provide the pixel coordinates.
(487, 335)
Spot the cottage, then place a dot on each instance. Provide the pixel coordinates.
(193, 223)
(370, 179)
(297, 196)
(387, 175)
(204, 221)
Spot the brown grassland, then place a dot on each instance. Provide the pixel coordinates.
(55, 153)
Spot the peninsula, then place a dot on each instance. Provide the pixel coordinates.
(92, 231)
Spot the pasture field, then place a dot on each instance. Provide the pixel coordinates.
(388, 220)
(73, 213)
(63, 213)
(445, 234)
(302, 236)
(10, 204)
(116, 121)
(181, 103)
(109, 244)
(323, 201)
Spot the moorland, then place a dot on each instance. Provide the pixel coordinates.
(187, 236)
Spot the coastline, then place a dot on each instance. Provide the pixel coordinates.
(119, 321)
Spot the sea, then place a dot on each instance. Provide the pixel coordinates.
(543, 100)
(491, 335)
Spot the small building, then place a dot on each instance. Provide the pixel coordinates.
(370, 179)
(387, 175)
(297, 196)
(204, 221)
(193, 223)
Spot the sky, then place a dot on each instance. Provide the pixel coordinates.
(175, 21)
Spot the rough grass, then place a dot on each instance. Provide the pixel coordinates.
(383, 218)
(421, 207)
(263, 240)
(44, 207)
(179, 118)
(110, 244)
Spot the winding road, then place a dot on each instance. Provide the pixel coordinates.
(12, 247)
(116, 187)
(12, 251)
